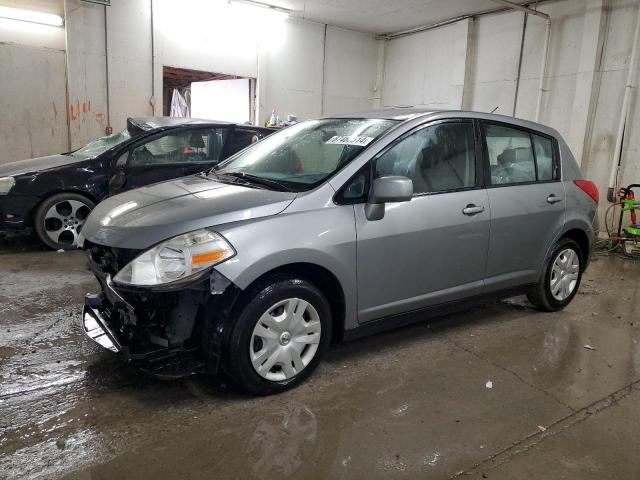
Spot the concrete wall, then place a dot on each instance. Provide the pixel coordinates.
(300, 70)
(32, 86)
(587, 69)
(310, 69)
(427, 68)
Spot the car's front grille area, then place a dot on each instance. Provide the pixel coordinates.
(105, 261)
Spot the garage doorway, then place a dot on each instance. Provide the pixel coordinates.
(210, 95)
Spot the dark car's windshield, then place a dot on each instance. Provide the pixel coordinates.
(101, 145)
(305, 154)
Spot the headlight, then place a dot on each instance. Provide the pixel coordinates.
(6, 183)
(176, 259)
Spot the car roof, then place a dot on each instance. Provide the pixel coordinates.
(406, 113)
(150, 123)
(392, 113)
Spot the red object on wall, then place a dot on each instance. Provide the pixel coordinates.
(108, 130)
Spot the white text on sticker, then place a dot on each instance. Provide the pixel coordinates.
(349, 140)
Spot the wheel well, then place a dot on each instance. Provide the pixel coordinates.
(325, 281)
(34, 210)
(581, 238)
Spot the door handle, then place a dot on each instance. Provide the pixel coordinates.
(553, 199)
(472, 209)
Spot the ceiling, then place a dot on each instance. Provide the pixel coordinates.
(384, 16)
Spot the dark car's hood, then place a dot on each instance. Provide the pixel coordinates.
(36, 164)
(145, 216)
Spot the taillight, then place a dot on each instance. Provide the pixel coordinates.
(589, 188)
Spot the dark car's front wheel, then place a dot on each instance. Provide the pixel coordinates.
(280, 336)
(60, 218)
(561, 277)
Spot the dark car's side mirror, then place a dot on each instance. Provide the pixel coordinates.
(390, 189)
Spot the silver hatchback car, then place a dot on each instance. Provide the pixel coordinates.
(332, 229)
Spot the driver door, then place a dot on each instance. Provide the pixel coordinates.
(432, 249)
(168, 155)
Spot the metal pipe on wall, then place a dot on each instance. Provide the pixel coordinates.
(324, 68)
(152, 100)
(624, 114)
(545, 48)
(66, 73)
(106, 70)
(524, 33)
(543, 68)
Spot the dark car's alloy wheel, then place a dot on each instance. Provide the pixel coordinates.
(280, 335)
(60, 218)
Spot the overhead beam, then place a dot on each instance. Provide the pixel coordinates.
(422, 28)
(523, 8)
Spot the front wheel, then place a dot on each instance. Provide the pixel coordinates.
(561, 278)
(280, 336)
(60, 218)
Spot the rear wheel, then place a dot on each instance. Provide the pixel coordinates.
(60, 218)
(561, 279)
(280, 336)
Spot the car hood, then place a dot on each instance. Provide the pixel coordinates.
(33, 165)
(145, 216)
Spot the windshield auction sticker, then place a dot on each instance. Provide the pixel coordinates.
(349, 140)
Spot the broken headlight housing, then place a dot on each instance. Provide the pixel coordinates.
(176, 259)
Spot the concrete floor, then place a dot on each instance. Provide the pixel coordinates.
(407, 404)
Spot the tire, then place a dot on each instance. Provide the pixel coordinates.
(272, 344)
(60, 218)
(566, 263)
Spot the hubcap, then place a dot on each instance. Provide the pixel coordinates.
(285, 339)
(64, 221)
(564, 274)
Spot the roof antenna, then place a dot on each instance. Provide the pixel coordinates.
(493, 111)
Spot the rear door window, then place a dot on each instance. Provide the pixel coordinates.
(510, 155)
(518, 156)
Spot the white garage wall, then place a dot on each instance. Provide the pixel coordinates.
(599, 150)
(350, 71)
(87, 80)
(427, 68)
(309, 69)
(290, 76)
(288, 62)
(32, 82)
(494, 69)
(587, 68)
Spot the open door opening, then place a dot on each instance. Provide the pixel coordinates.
(208, 95)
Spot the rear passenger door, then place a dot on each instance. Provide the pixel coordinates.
(527, 202)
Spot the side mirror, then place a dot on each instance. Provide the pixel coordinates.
(390, 189)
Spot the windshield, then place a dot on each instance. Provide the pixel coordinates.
(101, 145)
(303, 155)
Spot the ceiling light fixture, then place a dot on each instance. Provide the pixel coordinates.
(31, 16)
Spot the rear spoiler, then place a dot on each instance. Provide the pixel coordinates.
(136, 128)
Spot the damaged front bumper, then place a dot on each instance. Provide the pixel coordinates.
(169, 333)
(96, 327)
